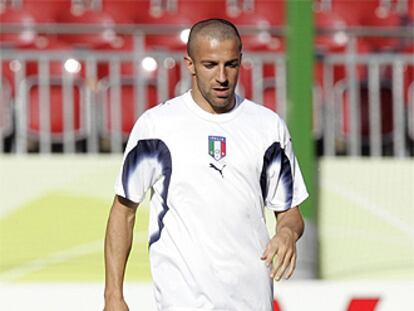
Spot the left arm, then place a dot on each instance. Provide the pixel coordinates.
(282, 247)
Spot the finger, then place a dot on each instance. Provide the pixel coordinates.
(277, 263)
(269, 253)
(282, 266)
(265, 253)
(292, 267)
(268, 258)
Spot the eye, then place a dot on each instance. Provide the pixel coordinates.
(209, 65)
(234, 65)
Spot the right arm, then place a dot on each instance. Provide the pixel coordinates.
(118, 242)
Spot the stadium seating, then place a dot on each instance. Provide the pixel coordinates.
(7, 75)
(128, 109)
(261, 17)
(409, 91)
(105, 37)
(386, 111)
(166, 41)
(271, 10)
(56, 107)
(53, 45)
(198, 10)
(263, 42)
(409, 73)
(26, 21)
(352, 11)
(334, 41)
(127, 12)
(266, 86)
(48, 11)
(55, 90)
(382, 18)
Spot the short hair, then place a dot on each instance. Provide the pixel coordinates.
(218, 28)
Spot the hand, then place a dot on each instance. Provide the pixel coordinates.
(115, 305)
(281, 248)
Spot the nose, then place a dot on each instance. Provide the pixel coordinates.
(222, 75)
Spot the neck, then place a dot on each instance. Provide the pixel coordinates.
(206, 106)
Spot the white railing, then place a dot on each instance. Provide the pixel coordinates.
(92, 110)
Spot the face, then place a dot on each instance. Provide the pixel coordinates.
(215, 68)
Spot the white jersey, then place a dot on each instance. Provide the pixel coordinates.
(211, 176)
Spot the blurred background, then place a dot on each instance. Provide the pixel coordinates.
(76, 74)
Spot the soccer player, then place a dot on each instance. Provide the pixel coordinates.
(213, 160)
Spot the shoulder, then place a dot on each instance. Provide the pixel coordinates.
(261, 113)
(157, 118)
(168, 108)
(264, 120)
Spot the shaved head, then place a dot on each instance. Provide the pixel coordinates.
(214, 28)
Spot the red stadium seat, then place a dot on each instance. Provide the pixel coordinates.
(409, 91)
(56, 110)
(382, 18)
(51, 44)
(267, 86)
(166, 41)
(128, 111)
(408, 71)
(127, 12)
(55, 91)
(22, 18)
(127, 69)
(386, 110)
(47, 11)
(352, 11)
(271, 10)
(10, 67)
(250, 19)
(334, 41)
(263, 42)
(340, 70)
(93, 18)
(8, 71)
(202, 9)
(124, 43)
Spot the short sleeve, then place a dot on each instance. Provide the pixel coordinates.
(282, 182)
(140, 166)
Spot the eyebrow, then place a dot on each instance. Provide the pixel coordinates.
(204, 61)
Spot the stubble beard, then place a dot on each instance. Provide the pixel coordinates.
(222, 104)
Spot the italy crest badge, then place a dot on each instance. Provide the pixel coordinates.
(217, 147)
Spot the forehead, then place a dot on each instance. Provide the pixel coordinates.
(211, 48)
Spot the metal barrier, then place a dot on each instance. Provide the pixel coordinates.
(95, 103)
(382, 120)
(109, 89)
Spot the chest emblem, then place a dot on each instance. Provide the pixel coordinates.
(217, 147)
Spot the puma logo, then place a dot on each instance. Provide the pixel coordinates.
(217, 169)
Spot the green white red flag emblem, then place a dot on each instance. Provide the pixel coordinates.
(217, 147)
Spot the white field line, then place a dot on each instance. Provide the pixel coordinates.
(361, 234)
(370, 206)
(60, 257)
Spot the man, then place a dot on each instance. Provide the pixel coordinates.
(213, 161)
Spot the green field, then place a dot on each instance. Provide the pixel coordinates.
(57, 233)
(54, 212)
(58, 237)
(366, 219)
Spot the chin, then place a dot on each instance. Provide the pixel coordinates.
(221, 106)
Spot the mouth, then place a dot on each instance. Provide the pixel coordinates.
(222, 91)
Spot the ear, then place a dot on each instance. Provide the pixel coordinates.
(190, 64)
